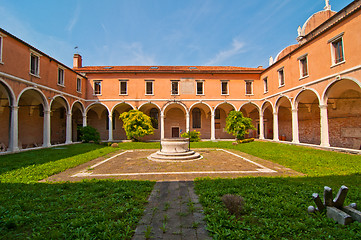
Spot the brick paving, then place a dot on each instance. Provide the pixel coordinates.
(173, 212)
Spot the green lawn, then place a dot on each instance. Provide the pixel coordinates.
(276, 208)
(93, 209)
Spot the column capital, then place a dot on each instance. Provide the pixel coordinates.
(294, 110)
(47, 111)
(14, 107)
(323, 106)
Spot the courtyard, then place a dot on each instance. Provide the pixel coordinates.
(70, 206)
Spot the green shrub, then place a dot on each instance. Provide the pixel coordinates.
(193, 136)
(88, 134)
(136, 124)
(237, 124)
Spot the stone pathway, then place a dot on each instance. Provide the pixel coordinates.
(173, 212)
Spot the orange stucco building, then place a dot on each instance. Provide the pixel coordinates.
(309, 94)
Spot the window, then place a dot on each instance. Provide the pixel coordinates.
(78, 85)
(1, 48)
(281, 77)
(249, 87)
(303, 66)
(61, 76)
(337, 49)
(196, 116)
(154, 117)
(34, 64)
(224, 86)
(217, 114)
(200, 85)
(175, 87)
(97, 87)
(123, 87)
(265, 85)
(149, 87)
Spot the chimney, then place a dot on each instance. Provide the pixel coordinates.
(77, 61)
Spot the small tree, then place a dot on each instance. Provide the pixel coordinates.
(88, 134)
(237, 125)
(136, 124)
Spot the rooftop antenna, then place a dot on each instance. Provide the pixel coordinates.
(76, 49)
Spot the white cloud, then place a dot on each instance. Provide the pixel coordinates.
(236, 48)
(74, 19)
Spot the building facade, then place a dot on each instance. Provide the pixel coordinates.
(310, 93)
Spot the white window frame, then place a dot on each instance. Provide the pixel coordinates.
(171, 87)
(280, 84)
(245, 84)
(146, 84)
(61, 81)
(227, 82)
(265, 85)
(201, 82)
(337, 38)
(78, 85)
(126, 87)
(37, 55)
(300, 64)
(1, 47)
(100, 92)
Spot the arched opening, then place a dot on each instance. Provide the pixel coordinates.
(5, 114)
(309, 128)
(97, 117)
(344, 112)
(58, 115)
(174, 121)
(200, 120)
(117, 128)
(268, 120)
(76, 120)
(221, 113)
(153, 112)
(284, 119)
(250, 110)
(31, 119)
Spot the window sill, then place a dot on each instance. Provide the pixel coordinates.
(37, 76)
(339, 63)
(175, 94)
(265, 92)
(149, 94)
(97, 94)
(301, 78)
(1, 62)
(78, 92)
(251, 94)
(199, 94)
(123, 94)
(60, 85)
(224, 94)
(280, 86)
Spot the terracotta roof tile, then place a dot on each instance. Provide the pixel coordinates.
(168, 69)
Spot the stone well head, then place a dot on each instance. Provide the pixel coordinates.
(174, 145)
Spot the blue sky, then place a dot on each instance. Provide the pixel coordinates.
(160, 32)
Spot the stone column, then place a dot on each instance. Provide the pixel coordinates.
(161, 125)
(324, 126)
(110, 129)
(187, 122)
(275, 126)
(68, 128)
(14, 133)
(295, 135)
(261, 129)
(213, 132)
(46, 130)
(84, 120)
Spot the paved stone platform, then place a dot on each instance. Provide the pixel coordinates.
(173, 213)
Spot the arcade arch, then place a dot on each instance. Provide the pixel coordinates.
(59, 109)
(221, 112)
(284, 118)
(97, 117)
(343, 99)
(251, 110)
(153, 111)
(200, 119)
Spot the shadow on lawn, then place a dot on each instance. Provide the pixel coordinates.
(93, 209)
(34, 157)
